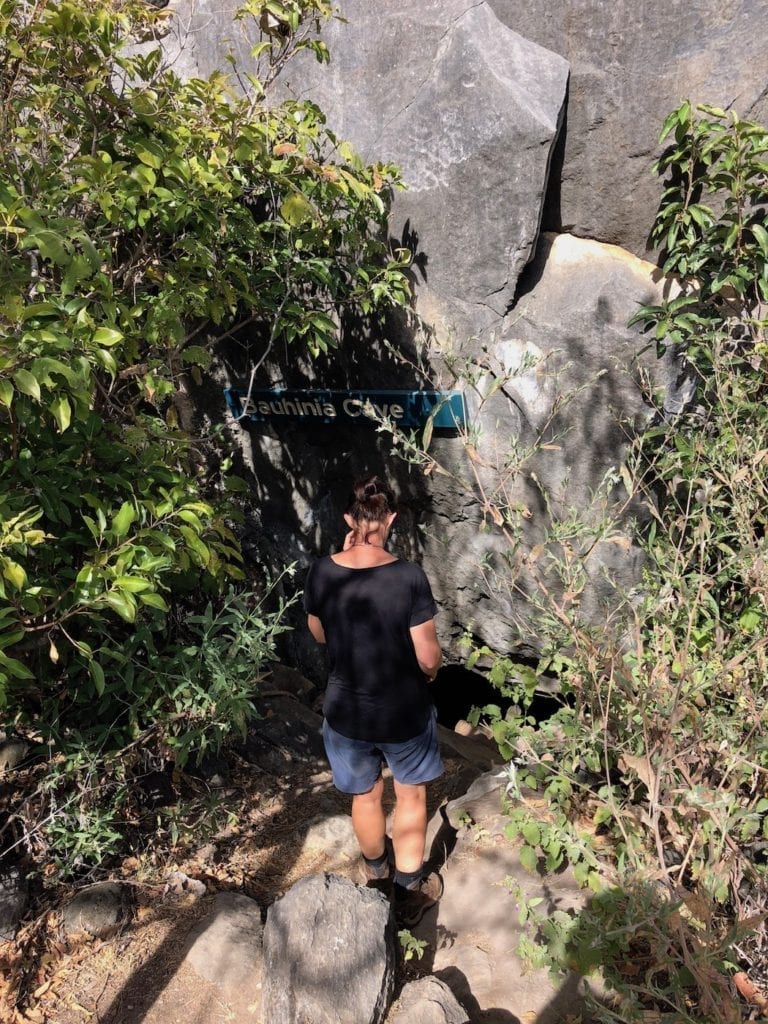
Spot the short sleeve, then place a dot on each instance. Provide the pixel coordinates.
(423, 607)
(310, 591)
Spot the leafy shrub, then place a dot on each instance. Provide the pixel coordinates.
(144, 219)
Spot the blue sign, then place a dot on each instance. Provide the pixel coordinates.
(404, 408)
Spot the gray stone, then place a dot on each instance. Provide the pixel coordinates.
(12, 752)
(427, 1001)
(631, 64)
(13, 902)
(468, 109)
(95, 911)
(285, 732)
(289, 681)
(478, 929)
(474, 750)
(329, 954)
(482, 799)
(571, 370)
(225, 947)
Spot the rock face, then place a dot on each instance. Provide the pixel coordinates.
(329, 954)
(467, 97)
(571, 373)
(12, 752)
(631, 64)
(468, 109)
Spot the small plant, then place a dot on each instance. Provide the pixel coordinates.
(410, 945)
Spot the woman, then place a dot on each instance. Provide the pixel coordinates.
(376, 614)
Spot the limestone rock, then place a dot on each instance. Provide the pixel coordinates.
(572, 378)
(12, 753)
(329, 954)
(95, 911)
(225, 947)
(285, 678)
(482, 799)
(427, 1001)
(13, 902)
(630, 66)
(286, 731)
(468, 109)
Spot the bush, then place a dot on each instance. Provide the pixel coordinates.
(143, 221)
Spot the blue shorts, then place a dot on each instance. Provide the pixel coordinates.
(356, 764)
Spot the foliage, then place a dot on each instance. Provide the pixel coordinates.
(144, 220)
(410, 945)
(79, 813)
(654, 767)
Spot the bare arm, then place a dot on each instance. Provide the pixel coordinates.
(427, 648)
(316, 628)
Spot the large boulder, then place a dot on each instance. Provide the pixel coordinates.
(575, 387)
(329, 954)
(631, 64)
(469, 110)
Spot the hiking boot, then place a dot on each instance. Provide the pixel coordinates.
(412, 904)
(378, 878)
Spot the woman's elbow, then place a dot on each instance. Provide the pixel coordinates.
(430, 662)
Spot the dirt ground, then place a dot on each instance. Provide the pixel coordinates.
(249, 840)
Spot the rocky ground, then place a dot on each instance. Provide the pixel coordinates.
(181, 941)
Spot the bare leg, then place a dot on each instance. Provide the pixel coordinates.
(409, 831)
(368, 820)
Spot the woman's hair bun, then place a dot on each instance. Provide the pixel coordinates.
(371, 498)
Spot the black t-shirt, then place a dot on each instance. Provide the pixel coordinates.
(376, 690)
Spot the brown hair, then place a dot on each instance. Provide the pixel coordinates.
(371, 498)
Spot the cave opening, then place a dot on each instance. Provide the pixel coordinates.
(457, 690)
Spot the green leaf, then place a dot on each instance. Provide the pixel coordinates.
(9, 639)
(154, 601)
(123, 520)
(122, 603)
(195, 545)
(197, 355)
(532, 833)
(97, 675)
(236, 485)
(107, 336)
(296, 210)
(61, 411)
(762, 237)
(150, 153)
(27, 384)
(528, 858)
(15, 574)
(51, 246)
(14, 667)
(6, 392)
(133, 584)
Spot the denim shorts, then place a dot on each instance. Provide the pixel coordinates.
(356, 764)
